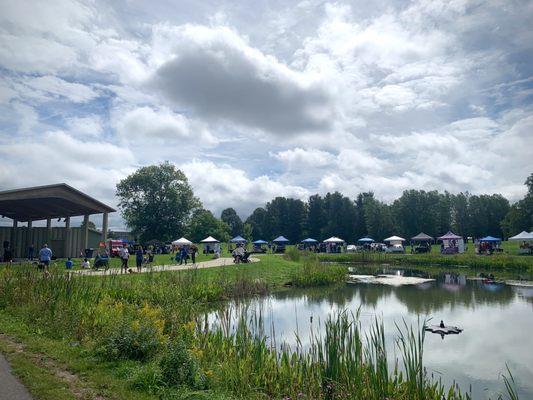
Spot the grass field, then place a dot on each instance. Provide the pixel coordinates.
(144, 336)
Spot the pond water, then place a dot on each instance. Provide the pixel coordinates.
(497, 320)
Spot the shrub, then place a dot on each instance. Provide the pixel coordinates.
(146, 377)
(293, 254)
(180, 368)
(314, 273)
(133, 340)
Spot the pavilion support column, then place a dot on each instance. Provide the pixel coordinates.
(48, 231)
(105, 223)
(85, 232)
(12, 238)
(68, 240)
(29, 239)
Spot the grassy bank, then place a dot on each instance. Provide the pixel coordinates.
(145, 337)
(497, 262)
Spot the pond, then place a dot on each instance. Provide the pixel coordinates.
(497, 320)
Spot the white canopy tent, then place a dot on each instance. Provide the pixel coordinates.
(182, 242)
(523, 236)
(394, 240)
(211, 245)
(334, 239)
(210, 239)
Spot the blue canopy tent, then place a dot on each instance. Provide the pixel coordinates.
(260, 242)
(238, 239)
(490, 239)
(281, 240)
(258, 246)
(309, 241)
(279, 244)
(366, 240)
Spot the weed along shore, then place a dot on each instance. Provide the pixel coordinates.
(146, 336)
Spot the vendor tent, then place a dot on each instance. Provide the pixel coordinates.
(210, 239)
(182, 242)
(450, 236)
(238, 239)
(522, 236)
(490, 239)
(366, 240)
(422, 237)
(394, 240)
(334, 239)
(309, 240)
(260, 242)
(280, 239)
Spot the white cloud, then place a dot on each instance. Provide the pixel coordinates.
(146, 123)
(85, 126)
(58, 87)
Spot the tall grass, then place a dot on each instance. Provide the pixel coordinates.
(311, 273)
(156, 320)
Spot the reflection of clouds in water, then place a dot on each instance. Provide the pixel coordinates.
(497, 326)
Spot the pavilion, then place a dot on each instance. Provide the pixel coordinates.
(57, 201)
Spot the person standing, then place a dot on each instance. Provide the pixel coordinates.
(184, 255)
(194, 250)
(139, 258)
(124, 256)
(45, 256)
(31, 252)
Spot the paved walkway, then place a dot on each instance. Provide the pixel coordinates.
(10, 387)
(219, 262)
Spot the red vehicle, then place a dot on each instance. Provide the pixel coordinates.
(114, 247)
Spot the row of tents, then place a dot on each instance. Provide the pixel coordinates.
(420, 238)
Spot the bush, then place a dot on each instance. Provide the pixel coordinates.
(133, 340)
(180, 368)
(293, 254)
(147, 378)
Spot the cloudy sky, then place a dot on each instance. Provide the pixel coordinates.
(258, 99)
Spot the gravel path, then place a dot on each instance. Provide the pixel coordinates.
(219, 262)
(10, 387)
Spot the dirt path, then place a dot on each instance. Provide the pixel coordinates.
(219, 262)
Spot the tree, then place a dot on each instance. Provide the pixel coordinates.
(520, 215)
(247, 232)
(257, 221)
(90, 225)
(204, 224)
(157, 202)
(230, 217)
(315, 217)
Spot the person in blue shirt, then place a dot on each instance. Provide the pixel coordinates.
(45, 256)
(69, 263)
(184, 255)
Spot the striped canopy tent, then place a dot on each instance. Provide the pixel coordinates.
(210, 239)
(280, 239)
(238, 239)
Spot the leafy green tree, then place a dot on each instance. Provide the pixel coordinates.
(157, 202)
(230, 217)
(247, 231)
(316, 217)
(520, 215)
(204, 224)
(257, 221)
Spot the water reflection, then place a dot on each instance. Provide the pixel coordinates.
(497, 320)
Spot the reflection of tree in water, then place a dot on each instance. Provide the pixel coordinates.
(524, 293)
(435, 298)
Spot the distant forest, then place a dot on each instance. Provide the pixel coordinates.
(415, 211)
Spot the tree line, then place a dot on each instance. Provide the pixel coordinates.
(157, 202)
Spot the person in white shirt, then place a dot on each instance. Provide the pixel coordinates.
(85, 264)
(124, 256)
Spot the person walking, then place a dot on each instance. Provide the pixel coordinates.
(194, 250)
(139, 258)
(45, 256)
(124, 256)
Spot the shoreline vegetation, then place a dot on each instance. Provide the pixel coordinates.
(145, 336)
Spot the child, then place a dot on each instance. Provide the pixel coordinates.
(69, 264)
(85, 264)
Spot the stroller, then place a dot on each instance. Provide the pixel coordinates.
(101, 262)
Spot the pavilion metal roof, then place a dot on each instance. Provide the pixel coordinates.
(49, 201)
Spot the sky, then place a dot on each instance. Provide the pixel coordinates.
(259, 99)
